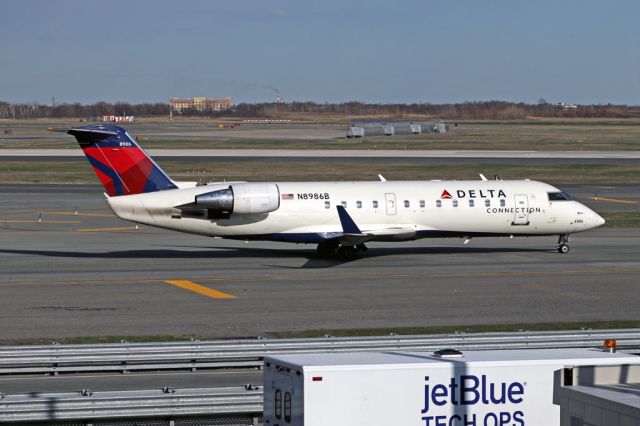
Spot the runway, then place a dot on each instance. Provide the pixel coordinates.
(93, 275)
(364, 156)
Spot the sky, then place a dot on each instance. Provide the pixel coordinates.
(576, 51)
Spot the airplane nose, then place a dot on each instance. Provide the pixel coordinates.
(591, 219)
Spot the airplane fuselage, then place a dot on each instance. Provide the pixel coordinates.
(389, 210)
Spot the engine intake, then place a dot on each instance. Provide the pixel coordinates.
(242, 198)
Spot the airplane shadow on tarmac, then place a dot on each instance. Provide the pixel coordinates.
(313, 261)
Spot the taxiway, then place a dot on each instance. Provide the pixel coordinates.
(68, 275)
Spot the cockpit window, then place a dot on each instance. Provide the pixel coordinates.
(559, 196)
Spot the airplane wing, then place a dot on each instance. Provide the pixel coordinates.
(352, 235)
(393, 234)
(354, 239)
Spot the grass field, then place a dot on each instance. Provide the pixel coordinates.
(622, 219)
(576, 135)
(595, 325)
(202, 171)
(600, 325)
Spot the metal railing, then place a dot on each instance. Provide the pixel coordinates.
(210, 402)
(123, 357)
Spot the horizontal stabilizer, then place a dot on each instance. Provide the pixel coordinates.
(184, 184)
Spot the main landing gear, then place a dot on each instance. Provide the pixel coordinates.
(563, 243)
(333, 250)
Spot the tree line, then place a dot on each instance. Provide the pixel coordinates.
(496, 110)
(75, 110)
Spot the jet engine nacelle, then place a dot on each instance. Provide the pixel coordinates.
(242, 198)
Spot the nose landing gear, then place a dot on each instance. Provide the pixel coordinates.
(563, 243)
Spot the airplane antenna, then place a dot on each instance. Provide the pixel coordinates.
(482, 177)
(382, 179)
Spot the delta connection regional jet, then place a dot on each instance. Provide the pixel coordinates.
(340, 217)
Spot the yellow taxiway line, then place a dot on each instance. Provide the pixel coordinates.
(332, 277)
(80, 214)
(200, 289)
(39, 221)
(613, 200)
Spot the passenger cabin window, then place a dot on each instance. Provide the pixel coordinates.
(327, 204)
(455, 203)
(344, 204)
(502, 203)
(487, 203)
(559, 196)
(375, 204)
(472, 203)
(406, 203)
(438, 203)
(359, 204)
(278, 404)
(422, 204)
(287, 407)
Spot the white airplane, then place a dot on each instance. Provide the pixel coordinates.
(340, 217)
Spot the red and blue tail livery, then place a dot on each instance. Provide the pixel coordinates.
(121, 165)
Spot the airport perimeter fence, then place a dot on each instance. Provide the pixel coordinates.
(186, 407)
(248, 353)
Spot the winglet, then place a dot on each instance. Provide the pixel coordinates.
(348, 225)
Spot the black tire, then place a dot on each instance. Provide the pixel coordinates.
(326, 250)
(563, 248)
(348, 252)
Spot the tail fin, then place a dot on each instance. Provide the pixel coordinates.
(122, 166)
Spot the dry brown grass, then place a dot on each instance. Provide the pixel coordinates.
(79, 171)
(547, 134)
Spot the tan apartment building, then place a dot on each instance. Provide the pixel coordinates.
(200, 104)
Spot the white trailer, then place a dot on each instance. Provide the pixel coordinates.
(355, 132)
(480, 388)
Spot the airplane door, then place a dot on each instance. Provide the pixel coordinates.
(521, 215)
(390, 200)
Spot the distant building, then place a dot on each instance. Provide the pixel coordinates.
(118, 118)
(199, 104)
(566, 107)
